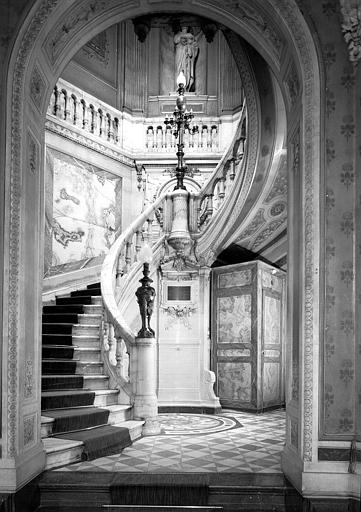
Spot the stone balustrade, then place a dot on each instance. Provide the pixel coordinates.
(202, 138)
(71, 105)
(78, 109)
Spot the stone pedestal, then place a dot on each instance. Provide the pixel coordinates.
(185, 379)
(145, 401)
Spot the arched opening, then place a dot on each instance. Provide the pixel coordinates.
(40, 54)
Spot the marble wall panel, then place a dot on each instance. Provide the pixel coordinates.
(83, 212)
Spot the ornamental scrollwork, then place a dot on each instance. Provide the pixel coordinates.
(351, 28)
(181, 313)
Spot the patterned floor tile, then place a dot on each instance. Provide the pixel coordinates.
(235, 442)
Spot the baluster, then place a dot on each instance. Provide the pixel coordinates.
(119, 356)
(106, 335)
(62, 104)
(112, 345)
(214, 138)
(199, 137)
(150, 138)
(109, 127)
(154, 139)
(128, 256)
(120, 268)
(221, 189)
(150, 230)
(91, 119)
(164, 142)
(116, 129)
(66, 106)
(82, 114)
(209, 137)
(232, 173)
(57, 106)
(168, 138)
(209, 210)
(138, 243)
(159, 138)
(101, 123)
(204, 137)
(72, 108)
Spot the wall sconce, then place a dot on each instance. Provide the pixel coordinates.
(145, 293)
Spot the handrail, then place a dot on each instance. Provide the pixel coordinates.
(114, 267)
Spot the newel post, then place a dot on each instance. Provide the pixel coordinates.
(145, 377)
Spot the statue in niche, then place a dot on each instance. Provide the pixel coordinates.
(186, 52)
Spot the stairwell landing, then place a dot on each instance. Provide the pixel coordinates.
(81, 417)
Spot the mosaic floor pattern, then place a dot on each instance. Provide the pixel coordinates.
(196, 424)
(244, 443)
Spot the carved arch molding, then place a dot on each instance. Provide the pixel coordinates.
(51, 35)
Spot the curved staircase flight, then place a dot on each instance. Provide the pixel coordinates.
(81, 416)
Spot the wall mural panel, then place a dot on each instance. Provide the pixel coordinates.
(234, 381)
(234, 319)
(83, 213)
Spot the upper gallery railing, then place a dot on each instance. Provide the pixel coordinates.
(73, 106)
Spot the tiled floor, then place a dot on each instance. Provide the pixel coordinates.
(234, 442)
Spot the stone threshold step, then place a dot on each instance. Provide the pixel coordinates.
(117, 414)
(61, 452)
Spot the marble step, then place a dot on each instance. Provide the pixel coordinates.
(89, 319)
(85, 329)
(88, 367)
(86, 340)
(87, 354)
(106, 397)
(95, 382)
(93, 309)
(97, 300)
(103, 398)
(61, 452)
(117, 414)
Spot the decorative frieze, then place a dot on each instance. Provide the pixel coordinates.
(29, 379)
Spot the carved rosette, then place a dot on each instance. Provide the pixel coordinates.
(37, 88)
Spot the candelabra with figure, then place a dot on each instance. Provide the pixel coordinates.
(180, 121)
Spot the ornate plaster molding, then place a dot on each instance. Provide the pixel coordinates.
(289, 11)
(351, 28)
(258, 21)
(26, 46)
(87, 142)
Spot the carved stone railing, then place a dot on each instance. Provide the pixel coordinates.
(85, 113)
(202, 138)
(228, 172)
(72, 105)
(121, 269)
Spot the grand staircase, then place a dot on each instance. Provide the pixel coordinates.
(81, 417)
